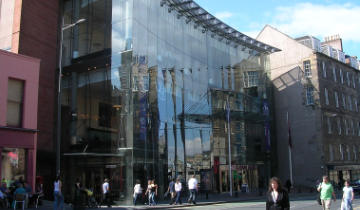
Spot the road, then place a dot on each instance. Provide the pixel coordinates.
(300, 204)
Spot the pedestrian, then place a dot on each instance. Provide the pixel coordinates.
(277, 198)
(288, 185)
(77, 196)
(58, 197)
(154, 188)
(106, 192)
(2, 200)
(178, 188)
(171, 190)
(148, 192)
(348, 196)
(137, 191)
(193, 188)
(326, 191)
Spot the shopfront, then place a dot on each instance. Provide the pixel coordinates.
(338, 174)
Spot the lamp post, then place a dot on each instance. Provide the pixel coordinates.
(58, 133)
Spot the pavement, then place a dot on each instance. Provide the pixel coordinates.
(213, 199)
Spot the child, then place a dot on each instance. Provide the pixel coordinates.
(348, 197)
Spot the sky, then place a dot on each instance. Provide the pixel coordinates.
(319, 18)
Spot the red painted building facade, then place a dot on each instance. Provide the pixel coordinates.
(31, 28)
(19, 85)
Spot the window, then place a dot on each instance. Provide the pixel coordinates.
(350, 103)
(324, 69)
(352, 127)
(346, 127)
(136, 83)
(14, 160)
(353, 81)
(348, 152)
(348, 78)
(341, 76)
(358, 128)
(355, 152)
(326, 96)
(356, 105)
(331, 152)
(329, 125)
(309, 96)
(334, 73)
(339, 126)
(15, 102)
(336, 99)
(251, 79)
(307, 68)
(344, 101)
(341, 149)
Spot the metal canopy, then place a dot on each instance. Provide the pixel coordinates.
(193, 12)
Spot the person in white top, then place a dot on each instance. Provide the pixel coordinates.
(137, 191)
(348, 197)
(178, 188)
(58, 197)
(193, 187)
(106, 191)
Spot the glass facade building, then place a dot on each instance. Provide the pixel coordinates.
(144, 95)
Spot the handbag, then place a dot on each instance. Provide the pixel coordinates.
(318, 199)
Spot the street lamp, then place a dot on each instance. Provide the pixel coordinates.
(58, 134)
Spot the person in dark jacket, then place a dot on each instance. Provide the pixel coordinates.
(277, 198)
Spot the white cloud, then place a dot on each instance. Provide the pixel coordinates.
(319, 20)
(224, 15)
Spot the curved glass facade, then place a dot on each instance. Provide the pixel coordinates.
(144, 96)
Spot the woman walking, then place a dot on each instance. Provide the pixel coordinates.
(348, 197)
(58, 197)
(150, 193)
(277, 198)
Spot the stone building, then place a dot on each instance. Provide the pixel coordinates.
(316, 106)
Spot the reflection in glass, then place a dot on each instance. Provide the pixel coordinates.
(145, 92)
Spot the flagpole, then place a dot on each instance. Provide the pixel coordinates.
(229, 142)
(289, 146)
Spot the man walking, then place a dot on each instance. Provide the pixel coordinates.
(106, 193)
(326, 191)
(171, 189)
(193, 187)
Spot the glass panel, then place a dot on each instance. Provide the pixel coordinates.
(152, 106)
(13, 164)
(15, 101)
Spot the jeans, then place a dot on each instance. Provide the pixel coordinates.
(192, 197)
(58, 201)
(346, 204)
(178, 199)
(152, 198)
(136, 197)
